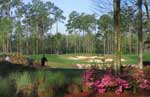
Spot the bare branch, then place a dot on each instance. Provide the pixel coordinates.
(102, 6)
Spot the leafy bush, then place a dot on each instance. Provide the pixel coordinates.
(77, 80)
(5, 88)
(141, 78)
(39, 77)
(147, 71)
(23, 81)
(134, 78)
(57, 78)
(49, 78)
(48, 82)
(106, 82)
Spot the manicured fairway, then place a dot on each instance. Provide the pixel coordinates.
(63, 61)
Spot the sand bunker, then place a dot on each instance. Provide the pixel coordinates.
(84, 57)
(88, 66)
(101, 62)
(96, 59)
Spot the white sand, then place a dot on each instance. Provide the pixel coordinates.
(96, 59)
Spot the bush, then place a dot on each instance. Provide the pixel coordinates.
(38, 77)
(104, 83)
(49, 78)
(77, 80)
(23, 81)
(48, 82)
(147, 71)
(58, 79)
(5, 88)
(135, 79)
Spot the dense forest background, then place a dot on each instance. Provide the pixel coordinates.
(27, 28)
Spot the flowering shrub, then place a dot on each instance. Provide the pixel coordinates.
(131, 78)
(144, 84)
(122, 84)
(140, 79)
(88, 77)
(105, 82)
(137, 74)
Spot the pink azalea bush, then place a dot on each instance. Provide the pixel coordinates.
(144, 84)
(88, 77)
(140, 79)
(118, 83)
(104, 83)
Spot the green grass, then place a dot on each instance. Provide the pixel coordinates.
(133, 58)
(59, 61)
(62, 61)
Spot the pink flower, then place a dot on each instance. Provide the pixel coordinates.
(145, 81)
(112, 84)
(119, 90)
(101, 85)
(123, 83)
(103, 90)
(88, 75)
(144, 86)
(89, 84)
(106, 80)
(126, 86)
(97, 82)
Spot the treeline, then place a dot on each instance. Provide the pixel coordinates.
(27, 28)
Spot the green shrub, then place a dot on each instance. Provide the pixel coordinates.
(49, 78)
(38, 76)
(77, 80)
(5, 88)
(23, 80)
(58, 79)
(14, 76)
(50, 82)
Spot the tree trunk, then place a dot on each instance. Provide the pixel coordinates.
(140, 34)
(57, 40)
(117, 49)
(37, 39)
(130, 37)
(148, 18)
(104, 46)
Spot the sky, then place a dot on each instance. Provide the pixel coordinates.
(71, 5)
